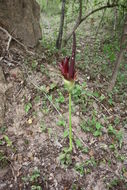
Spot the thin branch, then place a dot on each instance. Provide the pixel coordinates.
(18, 42)
(101, 104)
(80, 10)
(85, 17)
(98, 9)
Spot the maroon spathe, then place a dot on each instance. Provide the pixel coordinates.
(67, 65)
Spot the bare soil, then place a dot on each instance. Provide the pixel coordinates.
(35, 139)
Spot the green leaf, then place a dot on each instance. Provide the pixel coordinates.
(97, 133)
(78, 143)
(98, 126)
(111, 130)
(85, 150)
(1, 142)
(96, 94)
(28, 106)
(79, 167)
(50, 97)
(112, 146)
(52, 86)
(66, 133)
(110, 101)
(8, 141)
(62, 156)
(102, 97)
(61, 123)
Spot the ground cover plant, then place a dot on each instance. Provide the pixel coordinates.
(35, 134)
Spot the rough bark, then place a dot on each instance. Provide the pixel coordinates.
(123, 46)
(21, 19)
(59, 38)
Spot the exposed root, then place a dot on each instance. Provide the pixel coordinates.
(10, 38)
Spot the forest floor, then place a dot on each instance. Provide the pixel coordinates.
(34, 134)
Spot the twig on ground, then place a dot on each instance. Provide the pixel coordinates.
(101, 104)
(77, 136)
(12, 168)
(12, 38)
(39, 88)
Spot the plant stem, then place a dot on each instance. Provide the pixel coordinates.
(70, 127)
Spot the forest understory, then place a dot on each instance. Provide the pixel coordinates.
(34, 104)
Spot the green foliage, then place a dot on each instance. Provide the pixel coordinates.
(62, 123)
(78, 93)
(66, 133)
(65, 157)
(7, 140)
(109, 52)
(117, 182)
(110, 99)
(91, 162)
(85, 150)
(60, 98)
(3, 160)
(117, 134)
(33, 179)
(79, 167)
(43, 127)
(3, 129)
(28, 106)
(36, 187)
(35, 175)
(78, 144)
(34, 64)
(50, 8)
(49, 44)
(92, 126)
(45, 108)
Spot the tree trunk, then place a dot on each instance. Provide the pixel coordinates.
(21, 19)
(123, 46)
(76, 25)
(59, 38)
